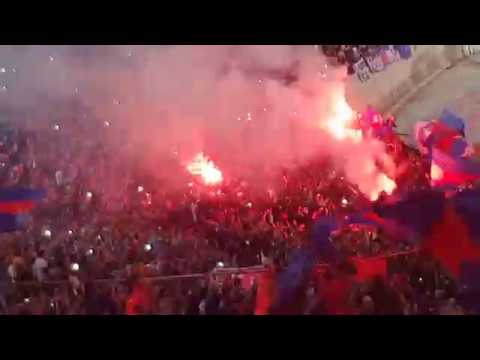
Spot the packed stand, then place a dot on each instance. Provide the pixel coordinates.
(83, 251)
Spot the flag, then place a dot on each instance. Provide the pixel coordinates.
(451, 121)
(265, 292)
(13, 222)
(19, 200)
(449, 229)
(15, 204)
(289, 283)
(447, 133)
(140, 301)
(448, 171)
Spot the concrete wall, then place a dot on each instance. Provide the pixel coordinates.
(387, 89)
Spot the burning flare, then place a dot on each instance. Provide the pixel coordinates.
(436, 173)
(202, 166)
(339, 124)
(384, 184)
(340, 121)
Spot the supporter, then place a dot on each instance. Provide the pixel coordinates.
(39, 267)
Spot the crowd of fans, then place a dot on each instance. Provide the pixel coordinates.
(366, 59)
(83, 252)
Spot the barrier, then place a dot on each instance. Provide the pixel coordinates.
(217, 271)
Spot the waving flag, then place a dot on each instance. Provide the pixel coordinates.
(447, 134)
(449, 171)
(15, 204)
(449, 228)
(449, 120)
(291, 281)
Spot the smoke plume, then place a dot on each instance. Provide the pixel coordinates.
(250, 108)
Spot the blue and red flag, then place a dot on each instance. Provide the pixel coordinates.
(449, 171)
(446, 134)
(449, 229)
(449, 120)
(15, 204)
(277, 292)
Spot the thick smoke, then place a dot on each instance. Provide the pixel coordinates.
(251, 108)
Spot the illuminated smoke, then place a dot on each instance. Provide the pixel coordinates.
(253, 109)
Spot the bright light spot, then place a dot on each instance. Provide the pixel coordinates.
(74, 267)
(51, 58)
(340, 121)
(2, 70)
(149, 198)
(436, 173)
(4, 88)
(90, 252)
(89, 195)
(70, 232)
(249, 205)
(56, 127)
(384, 184)
(205, 168)
(344, 202)
(14, 70)
(106, 123)
(148, 247)
(220, 264)
(47, 233)
(26, 300)
(140, 188)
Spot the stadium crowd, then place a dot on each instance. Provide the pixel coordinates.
(84, 252)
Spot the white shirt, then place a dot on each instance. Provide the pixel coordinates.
(38, 267)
